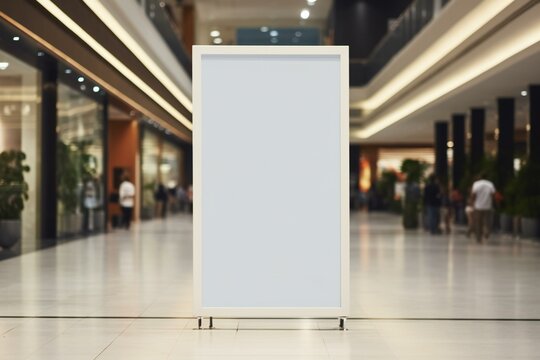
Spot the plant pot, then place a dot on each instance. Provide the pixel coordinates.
(10, 233)
(70, 224)
(506, 222)
(147, 212)
(530, 227)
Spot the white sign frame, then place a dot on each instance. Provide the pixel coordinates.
(271, 312)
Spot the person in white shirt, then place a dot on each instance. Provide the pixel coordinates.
(126, 196)
(483, 195)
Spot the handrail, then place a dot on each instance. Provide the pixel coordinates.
(407, 26)
(162, 22)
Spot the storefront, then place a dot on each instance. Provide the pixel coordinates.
(165, 168)
(52, 155)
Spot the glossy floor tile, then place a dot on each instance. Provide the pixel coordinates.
(127, 295)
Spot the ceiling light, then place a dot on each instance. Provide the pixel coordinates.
(524, 93)
(215, 33)
(298, 34)
(40, 53)
(304, 14)
(218, 40)
(80, 79)
(264, 29)
(83, 87)
(95, 89)
(450, 144)
(4, 65)
(274, 33)
(67, 71)
(311, 2)
(274, 40)
(16, 38)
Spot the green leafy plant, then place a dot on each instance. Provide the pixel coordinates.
(386, 187)
(13, 188)
(527, 192)
(67, 176)
(74, 166)
(414, 171)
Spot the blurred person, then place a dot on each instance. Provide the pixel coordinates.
(190, 198)
(446, 210)
(482, 198)
(126, 199)
(432, 203)
(90, 204)
(161, 196)
(181, 196)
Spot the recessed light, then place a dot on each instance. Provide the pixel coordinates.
(83, 87)
(68, 71)
(16, 38)
(4, 65)
(311, 2)
(162, 4)
(274, 33)
(95, 89)
(80, 79)
(40, 53)
(304, 14)
(524, 93)
(298, 34)
(218, 40)
(450, 144)
(215, 33)
(264, 29)
(274, 40)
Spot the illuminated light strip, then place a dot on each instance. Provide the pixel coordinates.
(104, 53)
(110, 21)
(496, 56)
(462, 30)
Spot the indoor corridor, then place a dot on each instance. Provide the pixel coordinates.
(127, 295)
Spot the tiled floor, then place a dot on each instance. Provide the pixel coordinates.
(127, 295)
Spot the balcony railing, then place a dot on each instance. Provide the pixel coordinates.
(159, 17)
(404, 29)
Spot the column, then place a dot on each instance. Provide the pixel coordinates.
(505, 144)
(458, 137)
(478, 121)
(49, 96)
(441, 156)
(534, 131)
(354, 173)
(105, 176)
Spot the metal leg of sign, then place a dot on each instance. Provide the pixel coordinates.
(199, 322)
(211, 323)
(342, 322)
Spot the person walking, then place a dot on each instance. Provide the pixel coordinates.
(483, 194)
(432, 202)
(126, 198)
(161, 196)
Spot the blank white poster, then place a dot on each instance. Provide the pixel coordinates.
(270, 181)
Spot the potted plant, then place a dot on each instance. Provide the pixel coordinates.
(13, 194)
(414, 171)
(68, 181)
(528, 200)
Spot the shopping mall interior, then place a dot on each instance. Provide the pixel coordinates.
(443, 165)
